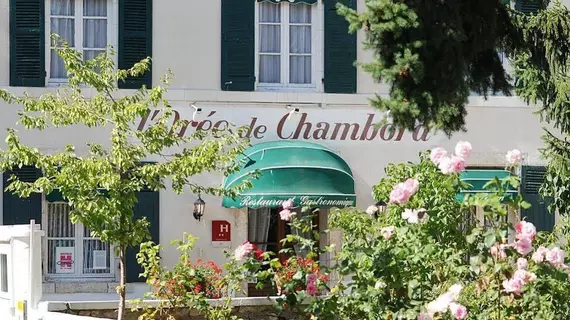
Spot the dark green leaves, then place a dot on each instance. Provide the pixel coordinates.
(433, 55)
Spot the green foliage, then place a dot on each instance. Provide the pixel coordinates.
(541, 66)
(397, 276)
(433, 55)
(119, 166)
(183, 289)
(100, 179)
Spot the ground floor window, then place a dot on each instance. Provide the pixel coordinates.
(266, 230)
(70, 249)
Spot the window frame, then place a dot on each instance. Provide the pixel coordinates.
(78, 239)
(320, 222)
(317, 44)
(112, 35)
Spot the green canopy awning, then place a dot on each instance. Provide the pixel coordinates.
(291, 1)
(477, 178)
(311, 174)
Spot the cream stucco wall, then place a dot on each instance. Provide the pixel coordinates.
(186, 39)
(492, 130)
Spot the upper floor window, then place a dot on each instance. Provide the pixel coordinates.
(84, 25)
(286, 44)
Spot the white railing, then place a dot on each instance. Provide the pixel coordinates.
(20, 267)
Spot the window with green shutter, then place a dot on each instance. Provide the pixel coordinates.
(528, 6)
(27, 50)
(532, 179)
(340, 50)
(238, 58)
(135, 39)
(147, 206)
(16, 210)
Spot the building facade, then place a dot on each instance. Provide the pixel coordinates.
(284, 68)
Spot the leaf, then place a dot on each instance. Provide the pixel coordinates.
(490, 240)
(525, 205)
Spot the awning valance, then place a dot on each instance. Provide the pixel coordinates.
(291, 1)
(311, 174)
(478, 178)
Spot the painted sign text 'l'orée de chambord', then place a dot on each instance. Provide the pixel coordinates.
(302, 126)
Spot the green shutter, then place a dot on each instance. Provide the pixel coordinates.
(135, 39)
(340, 50)
(27, 38)
(528, 6)
(532, 179)
(238, 56)
(147, 206)
(18, 210)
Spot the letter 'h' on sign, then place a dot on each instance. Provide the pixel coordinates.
(221, 231)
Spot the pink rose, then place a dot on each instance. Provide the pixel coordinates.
(287, 205)
(555, 256)
(525, 229)
(402, 192)
(513, 285)
(445, 165)
(399, 194)
(522, 264)
(311, 284)
(437, 154)
(287, 215)
(514, 157)
(454, 164)
(387, 232)
(457, 164)
(523, 246)
(243, 250)
(539, 255)
(524, 276)
(412, 185)
(498, 252)
(458, 311)
(463, 149)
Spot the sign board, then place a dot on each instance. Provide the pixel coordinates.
(221, 233)
(64, 259)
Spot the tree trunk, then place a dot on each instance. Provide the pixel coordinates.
(123, 285)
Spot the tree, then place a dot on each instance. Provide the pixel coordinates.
(100, 184)
(542, 66)
(433, 55)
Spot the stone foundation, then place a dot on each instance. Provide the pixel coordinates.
(245, 313)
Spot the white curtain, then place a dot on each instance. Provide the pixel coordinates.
(64, 15)
(94, 28)
(300, 43)
(258, 224)
(269, 42)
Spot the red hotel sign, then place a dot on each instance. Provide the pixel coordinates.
(221, 230)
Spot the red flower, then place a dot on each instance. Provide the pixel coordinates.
(259, 254)
(198, 288)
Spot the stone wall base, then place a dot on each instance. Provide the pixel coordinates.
(243, 312)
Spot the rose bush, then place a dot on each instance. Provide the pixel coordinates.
(422, 258)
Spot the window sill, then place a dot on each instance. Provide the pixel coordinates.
(80, 279)
(309, 89)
